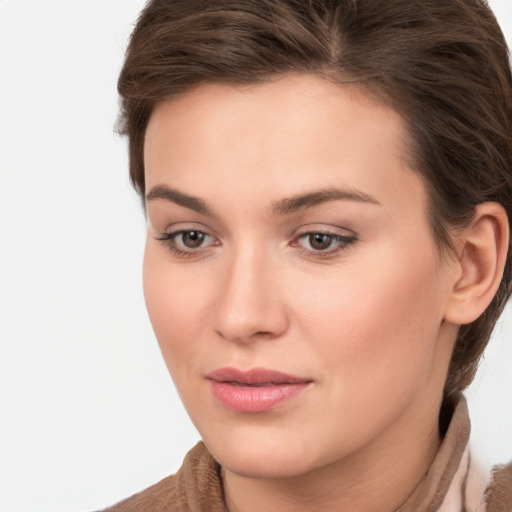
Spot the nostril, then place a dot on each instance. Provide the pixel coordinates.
(247, 338)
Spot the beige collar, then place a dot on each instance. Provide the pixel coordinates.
(453, 482)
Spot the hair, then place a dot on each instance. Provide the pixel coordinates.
(443, 65)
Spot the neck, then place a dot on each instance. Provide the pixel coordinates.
(380, 476)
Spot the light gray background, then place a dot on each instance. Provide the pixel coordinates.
(88, 414)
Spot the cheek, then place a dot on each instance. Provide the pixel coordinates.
(374, 322)
(176, 304)
(372, 336)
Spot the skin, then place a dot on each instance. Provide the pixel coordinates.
(367, 320)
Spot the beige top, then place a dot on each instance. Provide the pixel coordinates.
(453, 483)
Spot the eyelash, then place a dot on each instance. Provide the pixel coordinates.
(342, 243)
(169, 241)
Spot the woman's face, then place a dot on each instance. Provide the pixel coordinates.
(290, 274)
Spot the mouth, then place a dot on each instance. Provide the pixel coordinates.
(256, 390)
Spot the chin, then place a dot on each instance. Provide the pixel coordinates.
(263, 455)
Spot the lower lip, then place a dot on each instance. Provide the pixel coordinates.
(255, 398)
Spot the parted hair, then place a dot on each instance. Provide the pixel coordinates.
(443, 65)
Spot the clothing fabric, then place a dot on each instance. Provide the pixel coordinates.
(453, 483)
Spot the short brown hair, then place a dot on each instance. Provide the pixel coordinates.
(442, 64)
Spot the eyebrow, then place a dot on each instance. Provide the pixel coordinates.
(304, 201)
(179, 198)
(282, 207)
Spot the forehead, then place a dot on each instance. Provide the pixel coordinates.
(277, 139)
(290, 103)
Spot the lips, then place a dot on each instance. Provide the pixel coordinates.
(254, 391)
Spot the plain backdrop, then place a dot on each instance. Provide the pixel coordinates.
(88, 414)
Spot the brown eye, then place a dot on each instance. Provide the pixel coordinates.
(324, 244)
(320, 241)
(192, 239)
(188, 243)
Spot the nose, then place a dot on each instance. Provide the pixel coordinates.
(249, 305)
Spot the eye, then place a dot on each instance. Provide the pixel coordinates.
(320, 241)
(192, 239)
(324, 243)
(188, 242)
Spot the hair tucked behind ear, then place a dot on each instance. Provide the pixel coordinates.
(442, 64)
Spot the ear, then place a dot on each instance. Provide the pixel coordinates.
(481, 250)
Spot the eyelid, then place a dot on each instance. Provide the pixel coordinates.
(169, 236)
(327, 229)
(184, 227)
(345, 240)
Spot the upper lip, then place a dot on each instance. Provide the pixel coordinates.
(255, 376)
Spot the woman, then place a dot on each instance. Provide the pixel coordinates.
(328, 192)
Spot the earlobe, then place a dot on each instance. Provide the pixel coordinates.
(481, 255)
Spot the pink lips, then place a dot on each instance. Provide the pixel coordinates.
(256, 390)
